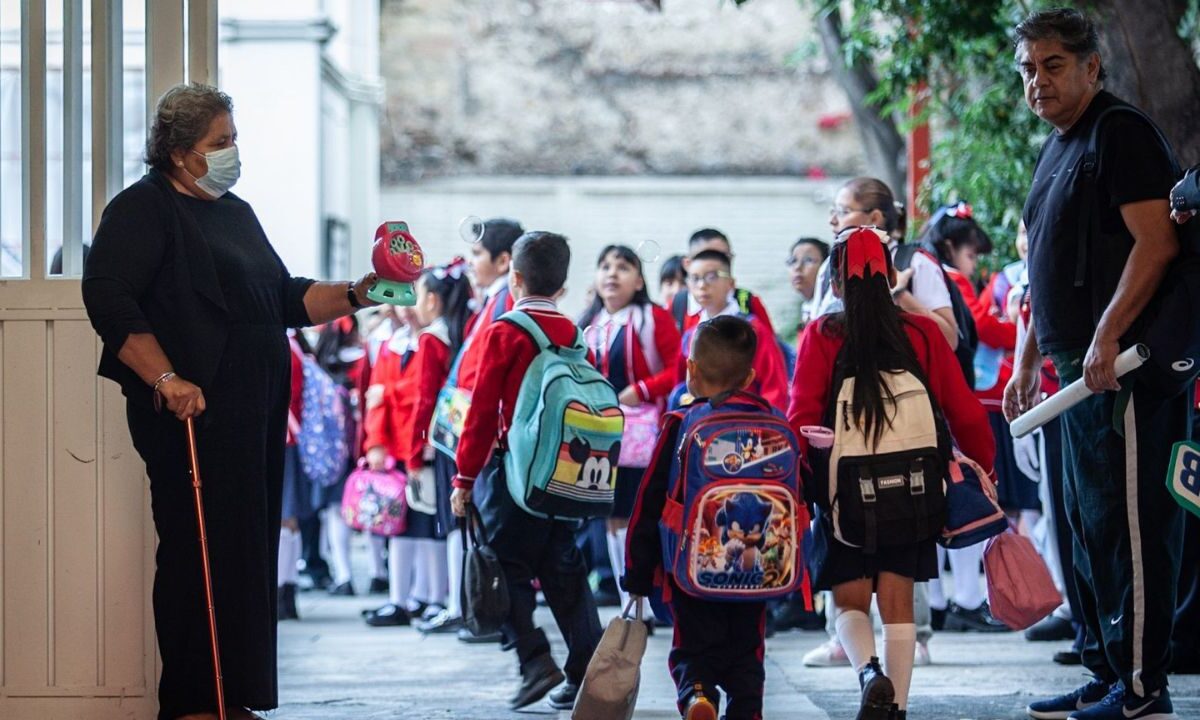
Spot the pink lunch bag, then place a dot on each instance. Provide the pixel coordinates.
(374, 501)
(1020, 589)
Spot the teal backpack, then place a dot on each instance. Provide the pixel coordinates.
(566, 432)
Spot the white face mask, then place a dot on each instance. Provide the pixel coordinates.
(224, 169)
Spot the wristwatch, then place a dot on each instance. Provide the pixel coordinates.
(353, 296)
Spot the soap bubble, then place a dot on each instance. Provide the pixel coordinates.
(649, 251)
(471, 229)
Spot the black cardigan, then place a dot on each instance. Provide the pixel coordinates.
(150, 270)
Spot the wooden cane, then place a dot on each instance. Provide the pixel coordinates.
(208, 591)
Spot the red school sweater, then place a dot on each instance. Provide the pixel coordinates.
(965, 416)
(507, 352)
(400, 422)
(472, 352)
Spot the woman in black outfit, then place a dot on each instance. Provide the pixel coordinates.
(192, 303)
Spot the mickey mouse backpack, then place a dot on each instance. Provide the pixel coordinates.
(565, 438)
(733, 522)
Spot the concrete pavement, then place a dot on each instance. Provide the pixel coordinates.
(333, 667)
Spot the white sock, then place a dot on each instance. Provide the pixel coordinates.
(289, 556)
(401, 555)
(1030, 518)
(421, 590)
(454, 551)
(857, 637)
(937, 591)
(616, 556)
(375, 559)
(830, 615)
(339, 545)
(968, 585)
(899, 644)
(435, 559)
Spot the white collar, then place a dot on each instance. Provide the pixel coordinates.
(402, 340)
(731, 308)
(619, 318)
(497, 285)
(536, 302)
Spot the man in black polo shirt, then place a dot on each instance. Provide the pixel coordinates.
(1097, 253)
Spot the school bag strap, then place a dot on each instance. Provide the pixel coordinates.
(679, 308)
(1089, 173)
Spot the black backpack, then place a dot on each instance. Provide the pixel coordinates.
(484, 592)
(1169, 325)
(968, 336)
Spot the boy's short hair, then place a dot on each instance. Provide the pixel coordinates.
(499, 235)
(542, 258)
(723, 350)
(716, 256)
(706, 234)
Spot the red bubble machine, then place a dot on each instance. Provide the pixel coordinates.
(398, 262)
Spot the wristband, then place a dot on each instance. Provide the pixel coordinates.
(353, 297)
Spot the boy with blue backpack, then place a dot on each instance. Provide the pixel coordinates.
(543, 433)
(717, 525)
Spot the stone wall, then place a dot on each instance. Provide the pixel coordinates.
(603, 87)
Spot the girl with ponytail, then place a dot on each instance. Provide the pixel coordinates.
(870, 338)
(411, 369)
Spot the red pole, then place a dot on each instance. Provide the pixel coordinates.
(208, 591)
(918, 156)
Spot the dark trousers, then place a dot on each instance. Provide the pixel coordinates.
(1126, 527)
(1052, 437)
(1186, 642)
(530, 547)
(719, 644)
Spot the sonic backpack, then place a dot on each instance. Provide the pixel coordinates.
(733, 522)
(565, 438)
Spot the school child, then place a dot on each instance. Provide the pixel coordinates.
(746, 499)
(297, 491)
(528, 547)
(488, 267)
(410, 373)
(843, 361)
(671, 280)
(710, 281)
(636, 346)
(684, 307)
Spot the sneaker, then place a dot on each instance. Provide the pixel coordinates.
(921, 655)
(828, 654)
(700, 708)
(1061, 707)
(564, 697)
(1120, 705)
(538, 677)
(443, 622)
(877, 693)
(389, 616)
(978, 620)
(1051, 628)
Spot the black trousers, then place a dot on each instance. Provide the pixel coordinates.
(530, 547)
(719, 645)
(1127, 529)
(1184, 644)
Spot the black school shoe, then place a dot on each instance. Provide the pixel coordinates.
(379, 586)
(877, 693)
(465, 635)
(287, 602)
(978, 620)
(1051, 628)
(389, 615)
(563, 698)
(538, 677)
(343, 590)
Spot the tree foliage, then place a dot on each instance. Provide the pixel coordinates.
(985, 139)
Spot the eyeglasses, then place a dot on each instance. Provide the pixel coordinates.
(708, 278)
(842, 211)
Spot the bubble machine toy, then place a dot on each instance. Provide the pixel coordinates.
(398, 261)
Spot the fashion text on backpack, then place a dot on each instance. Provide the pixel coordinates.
(565, 437)
(733, 520)
(891, 492)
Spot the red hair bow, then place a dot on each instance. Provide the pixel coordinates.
(865, 254)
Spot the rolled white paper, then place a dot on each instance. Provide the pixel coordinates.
(1073, 394)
